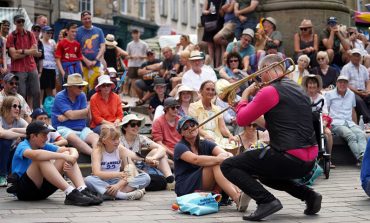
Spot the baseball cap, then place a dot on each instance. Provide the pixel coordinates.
(46, 28)
(37, 112)
(183, 120)
(342, 77)
(149, 51)
(37, 127)
(9, 77)
(18, 17)
(248, 32)
(170, 102)
(356, 50)
(332, 20)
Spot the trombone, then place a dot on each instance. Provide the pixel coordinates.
(228, 94)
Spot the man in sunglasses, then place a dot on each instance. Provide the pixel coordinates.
(284, 110)
(164, 127)
(69, 114)
(10, 84)
(331, 41)
(22, 47)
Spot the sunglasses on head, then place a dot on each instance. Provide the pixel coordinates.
(175, 107)
(17, 106)
(134, 124)
(186, 126)
(13, 83)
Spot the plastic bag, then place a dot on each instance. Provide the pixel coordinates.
(48, 104)
(201, 203)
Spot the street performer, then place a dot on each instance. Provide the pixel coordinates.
(292, 150)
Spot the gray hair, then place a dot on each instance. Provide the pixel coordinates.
(270, 59)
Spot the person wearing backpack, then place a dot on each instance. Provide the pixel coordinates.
(22, 47)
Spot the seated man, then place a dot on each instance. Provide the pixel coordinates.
(359, 83)
(341, 103)
(69, 114)
(38, 166)
(164, 127)
(10, 88)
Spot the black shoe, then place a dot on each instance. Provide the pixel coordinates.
(78, 199)
(97, 199)
(264, 210)
(313, 203)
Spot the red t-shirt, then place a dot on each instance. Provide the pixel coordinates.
(68, 51)
(162, 131)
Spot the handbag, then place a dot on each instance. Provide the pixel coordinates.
(198, 203)
(211, 26)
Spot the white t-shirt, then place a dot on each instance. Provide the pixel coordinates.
(193, 80)
(136, 49)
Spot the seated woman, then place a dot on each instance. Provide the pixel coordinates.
(252, 138)
(13, 128)
(327, 73)
(105, 105)
(313, 85)
(156, 162)
(185, 65)
(232, 68)
(197, 165)
(109, 178)
(185, 95)
(300, 69)
(184, 44)
(214, 130)
(306, 42)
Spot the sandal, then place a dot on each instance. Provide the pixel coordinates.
(139, 102)
(243, 202)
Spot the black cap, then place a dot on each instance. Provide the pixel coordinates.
(170, 102)
(37, 127)
(34, 26)
(18, 17)
(159, 81)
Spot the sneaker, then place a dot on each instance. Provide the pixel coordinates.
(79, 199)
(97, 199)
(243, 202)
(3, 182)
(135, 195)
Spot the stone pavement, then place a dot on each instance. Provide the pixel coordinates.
(343, 201)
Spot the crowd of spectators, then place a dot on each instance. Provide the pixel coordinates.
(181, 88)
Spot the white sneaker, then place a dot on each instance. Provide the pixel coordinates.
(135, 195)
(243, 202)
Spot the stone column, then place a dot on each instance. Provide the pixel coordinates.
(290, 13)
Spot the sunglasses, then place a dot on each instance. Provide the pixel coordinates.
(254, 125)
(20, 21)
(186, 126)
(106, 85)
(79, 86)
(134, 124)
(175, 107)
(13, 83)
(305, 29)
(50, 32)
(17, 106)
(37, 30)
(233, 61)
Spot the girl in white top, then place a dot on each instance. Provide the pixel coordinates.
(108, 178)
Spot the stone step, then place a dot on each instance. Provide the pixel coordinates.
(341, 153)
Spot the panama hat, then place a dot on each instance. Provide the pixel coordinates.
(75, 80)
(132, 117)
(110, 40)
(183, 88)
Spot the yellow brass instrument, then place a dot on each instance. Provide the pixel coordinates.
(228, 94)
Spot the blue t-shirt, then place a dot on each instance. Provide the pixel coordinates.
(62, 104)
(184, 169)
(90, 40)
(249, 51)
(20, 163)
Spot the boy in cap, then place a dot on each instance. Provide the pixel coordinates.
(39, 114)
(160, 88)
(38, 166)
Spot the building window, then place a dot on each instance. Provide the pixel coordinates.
(163, 7)
(142, 9)
(124, 7)
(86, 5)
(184, 12)
(174, 10)
(193, 19)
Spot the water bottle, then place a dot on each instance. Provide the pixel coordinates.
(212, 8)
(361, 122)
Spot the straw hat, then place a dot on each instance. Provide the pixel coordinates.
(312, 76)
(75, 80)
(109, 40)
(104, 79)
(306, 23)
(196, 55)
(132, 117)
(183, 88)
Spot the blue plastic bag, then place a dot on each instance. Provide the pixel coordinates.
(48, 104)
(310, 178)
(201, 203)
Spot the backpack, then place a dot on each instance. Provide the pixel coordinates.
(48, 104)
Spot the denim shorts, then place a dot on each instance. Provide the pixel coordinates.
(65, 131)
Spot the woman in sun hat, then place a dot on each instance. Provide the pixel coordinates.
(185, 95)
(105, 105)
(306, 42)
(112, 53)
